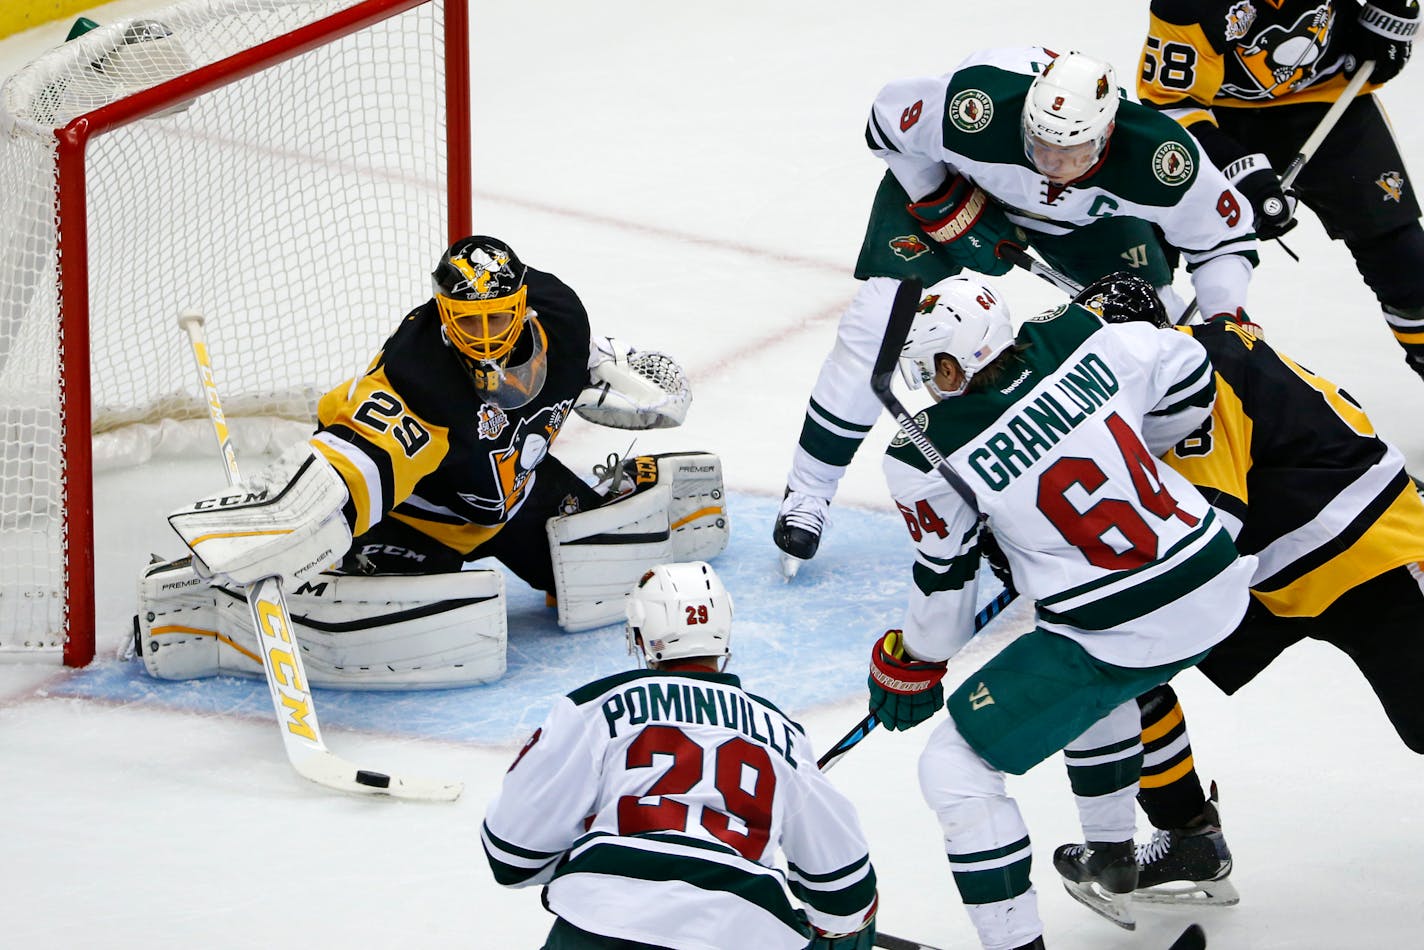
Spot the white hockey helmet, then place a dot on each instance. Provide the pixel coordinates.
(964, 318)
(679, 611)
(1072, 102)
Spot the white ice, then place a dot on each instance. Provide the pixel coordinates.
(698, 174)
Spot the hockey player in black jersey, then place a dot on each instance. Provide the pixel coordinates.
(438, 455)
(1252, 80)
(1295, 467)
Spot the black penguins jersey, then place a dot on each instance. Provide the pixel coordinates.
(1299, 475)
(1242, 53)
(414, 441)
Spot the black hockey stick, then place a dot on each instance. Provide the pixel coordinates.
(902, 315)
(1019, 257)
(863, 728)
(1193, 938)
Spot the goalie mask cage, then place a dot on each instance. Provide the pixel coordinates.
(292, 169)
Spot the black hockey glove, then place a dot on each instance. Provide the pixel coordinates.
(994, 554)
(1253, 177)
(1122, 298)
(1384, 32)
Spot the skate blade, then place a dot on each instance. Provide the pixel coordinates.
(1190, 893)
(1116, 908)
(789, 566)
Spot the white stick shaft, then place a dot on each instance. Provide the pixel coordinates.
(282, 655)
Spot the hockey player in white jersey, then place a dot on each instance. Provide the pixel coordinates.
(1133, 575)
(1021, 146)
(652, 803)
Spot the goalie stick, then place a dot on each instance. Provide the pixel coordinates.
(282, 656)
(1193, 938)
(863, 728)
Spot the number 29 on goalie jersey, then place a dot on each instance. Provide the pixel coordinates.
(647, 779)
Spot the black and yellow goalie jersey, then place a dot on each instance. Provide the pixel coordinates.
(414, 441)
(1295, 468)
(1242, 53)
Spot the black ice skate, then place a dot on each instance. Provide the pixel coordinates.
(798, 529)
(1101, 875)
(1188, 865)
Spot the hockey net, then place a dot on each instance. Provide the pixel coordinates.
(291, 169)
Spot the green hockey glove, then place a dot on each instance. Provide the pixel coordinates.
(968, 225)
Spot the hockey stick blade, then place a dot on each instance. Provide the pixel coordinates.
(863, 728)
(328, 769)
(1193, 938)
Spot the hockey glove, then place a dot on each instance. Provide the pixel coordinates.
(1122, 298)
(1384, 32)
(1253, 177)
(1241, 320)
(903, 692)
(994, 554)
(968, 225)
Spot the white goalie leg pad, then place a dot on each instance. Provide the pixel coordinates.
(697, 505)
(599, 555)
(380, 633)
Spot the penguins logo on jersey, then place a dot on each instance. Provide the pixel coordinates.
(492, 421)
(1239, 19)
(1281, 58)
(1392, 183)
(514, 464)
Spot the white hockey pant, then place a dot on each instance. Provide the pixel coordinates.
(843, 408)
(385, 632)
(985, 838)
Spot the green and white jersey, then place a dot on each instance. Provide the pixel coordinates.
(653, 805)
(1119, 552)
(969, 121)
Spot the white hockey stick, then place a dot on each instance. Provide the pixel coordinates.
(282, 656)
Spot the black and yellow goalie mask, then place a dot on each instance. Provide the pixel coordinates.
(482, 300)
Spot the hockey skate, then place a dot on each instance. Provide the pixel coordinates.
(798, 529)
(1188, 865)
(1101, 876)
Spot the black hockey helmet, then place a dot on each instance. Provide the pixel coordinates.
(1123, 298)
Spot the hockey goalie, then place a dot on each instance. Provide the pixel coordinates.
(436, 457)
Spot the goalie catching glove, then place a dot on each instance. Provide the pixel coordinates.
(285, 520)
(632, 389)
(968, 225)
(904, 692)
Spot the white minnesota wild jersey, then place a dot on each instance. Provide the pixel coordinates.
(653, 805)
(970, 120)
(1118, 551)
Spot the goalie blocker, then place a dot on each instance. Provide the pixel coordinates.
(438, 631)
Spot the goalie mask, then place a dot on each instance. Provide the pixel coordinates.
(482, 300)
(958, 317)
(678, 611)
(1068, 115)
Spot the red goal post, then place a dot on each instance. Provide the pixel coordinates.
(292, 168)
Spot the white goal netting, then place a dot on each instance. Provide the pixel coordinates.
(298, 201)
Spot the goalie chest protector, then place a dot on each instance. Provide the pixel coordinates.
(487, 454)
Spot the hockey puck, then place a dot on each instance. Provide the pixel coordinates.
(373, 779)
